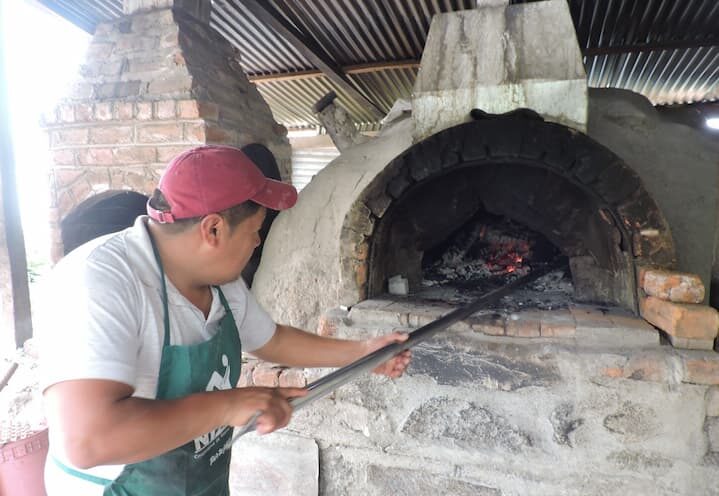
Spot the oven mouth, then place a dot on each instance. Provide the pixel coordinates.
(488, 252)
(516, 185)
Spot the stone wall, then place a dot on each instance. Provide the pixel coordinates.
(154, 83)
(501, 415)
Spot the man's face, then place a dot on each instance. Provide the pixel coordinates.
(243, 240)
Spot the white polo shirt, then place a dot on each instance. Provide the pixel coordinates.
(103, 319)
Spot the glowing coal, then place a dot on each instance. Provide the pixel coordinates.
(490, 251)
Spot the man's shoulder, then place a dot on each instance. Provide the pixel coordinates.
(102, 260)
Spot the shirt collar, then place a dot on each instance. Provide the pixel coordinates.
(142, 258)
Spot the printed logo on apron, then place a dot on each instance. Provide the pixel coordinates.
(205, 442)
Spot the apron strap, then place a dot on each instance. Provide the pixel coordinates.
(81, 475)
(226, 305)
(223, 300)
(164, 290)
(164, 294)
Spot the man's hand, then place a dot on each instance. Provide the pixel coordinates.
(395, 366)
(272, 402)
(296, 348)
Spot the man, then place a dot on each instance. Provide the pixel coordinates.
(148, 329)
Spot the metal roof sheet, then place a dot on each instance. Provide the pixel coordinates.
(667, 50)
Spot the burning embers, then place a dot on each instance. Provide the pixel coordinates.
(487, 247)
(490, 251)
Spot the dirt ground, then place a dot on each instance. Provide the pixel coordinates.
(21, 412)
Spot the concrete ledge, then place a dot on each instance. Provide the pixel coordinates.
(558, 324)
(379, 311)
(585, 324)
(597, 326)
(524, 324)
(691, 344)
(701, 368)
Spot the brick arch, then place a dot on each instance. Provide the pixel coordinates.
(72, 188)
(519, 140)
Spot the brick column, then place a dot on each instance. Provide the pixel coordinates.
(154, 83)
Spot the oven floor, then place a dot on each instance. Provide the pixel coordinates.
(591, 324)
(551, 292)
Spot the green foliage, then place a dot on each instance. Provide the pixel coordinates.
(36, 269)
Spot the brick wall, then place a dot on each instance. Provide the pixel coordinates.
(154, 84)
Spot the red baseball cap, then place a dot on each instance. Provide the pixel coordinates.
(212, 178)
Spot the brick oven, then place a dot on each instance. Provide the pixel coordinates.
(155, 82)
(599, 379)
(583, 199)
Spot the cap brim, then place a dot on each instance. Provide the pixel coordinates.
(276, 195)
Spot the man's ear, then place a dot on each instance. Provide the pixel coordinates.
(211, 229)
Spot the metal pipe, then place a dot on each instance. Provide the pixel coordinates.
(325, 385)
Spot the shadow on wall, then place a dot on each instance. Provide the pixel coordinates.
(265, 160)
(113, 211)
(102, 214)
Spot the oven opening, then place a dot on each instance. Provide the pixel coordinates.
(487, 252)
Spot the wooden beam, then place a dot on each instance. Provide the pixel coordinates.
(15, 313)
(648, 47)
(348, 69)
(267, 14)
(285, 76)
(381, 66)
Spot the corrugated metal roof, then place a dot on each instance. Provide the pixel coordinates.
(87, 13)
(295, 101)
(671, 47)
(306, 163)
(664, 77)
(262, 50)
(667, 50)
(349, 33)
(385, 87)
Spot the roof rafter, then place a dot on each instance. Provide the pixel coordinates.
(649, 47)
(266, 14)
(349, 69)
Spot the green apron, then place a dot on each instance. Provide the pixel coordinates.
(200, 467)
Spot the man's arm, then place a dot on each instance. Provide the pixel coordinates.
(98, 422)
(296, 348)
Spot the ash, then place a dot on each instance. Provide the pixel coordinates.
(488, 253)
(550, 292)
(21, 410)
